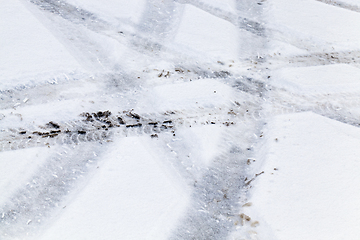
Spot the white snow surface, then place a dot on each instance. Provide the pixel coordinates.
(27, 48)
(310, 188)
(185, 119)
(196, 32)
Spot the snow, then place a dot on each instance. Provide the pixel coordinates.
(205, 143)
(321, 22)
(351, 2)
(17, 167)
(169, 119)
(128, 12)
(204, 33)
(201, 93)
(310, 187)
(40, 53)
(131, 196)
(337, 78)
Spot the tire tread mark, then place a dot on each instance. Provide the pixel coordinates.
(341, 4)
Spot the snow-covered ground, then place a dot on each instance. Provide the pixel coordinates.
(187, 119)
(309, 188)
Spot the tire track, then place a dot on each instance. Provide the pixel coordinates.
(101, 126)
(242, 23)
(23, 94)
(137, 40)
(222, 188)
(159, 20)
(341, 5)
(343, 107)
(316, 59)
(150, 43)
(260, 29)
(45, 192)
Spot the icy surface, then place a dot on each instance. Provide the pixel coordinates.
(186, 119)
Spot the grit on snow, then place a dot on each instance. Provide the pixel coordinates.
(179, 119)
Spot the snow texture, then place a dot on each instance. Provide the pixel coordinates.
(179, 119)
